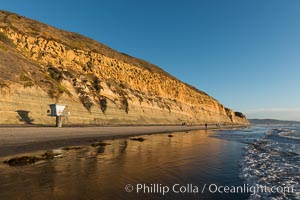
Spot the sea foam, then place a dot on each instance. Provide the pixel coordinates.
(274, 161)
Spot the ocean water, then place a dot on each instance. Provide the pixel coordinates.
(271, 161)
(199, 164)
(274, 161)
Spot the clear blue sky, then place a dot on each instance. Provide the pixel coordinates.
(245, 53)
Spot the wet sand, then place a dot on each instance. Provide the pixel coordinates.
(103, 172)
(15, 140)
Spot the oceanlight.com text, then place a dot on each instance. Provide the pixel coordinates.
(200, 189)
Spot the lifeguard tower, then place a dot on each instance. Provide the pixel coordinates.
(58, 111)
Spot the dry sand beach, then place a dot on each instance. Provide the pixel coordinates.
(14, 140)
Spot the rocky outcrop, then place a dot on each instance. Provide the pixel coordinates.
(43, 65)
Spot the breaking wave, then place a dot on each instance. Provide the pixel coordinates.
(274, 161)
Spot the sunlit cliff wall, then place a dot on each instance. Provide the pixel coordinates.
(42, 65)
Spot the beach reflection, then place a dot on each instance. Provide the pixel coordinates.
(102, 172)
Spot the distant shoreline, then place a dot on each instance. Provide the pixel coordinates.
(20, 139)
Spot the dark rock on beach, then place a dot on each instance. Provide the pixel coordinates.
(97, 144)
(49, 155)
(72, 148)
(24, 160)
(140, 139)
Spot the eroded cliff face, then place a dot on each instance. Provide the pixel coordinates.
(42, 65)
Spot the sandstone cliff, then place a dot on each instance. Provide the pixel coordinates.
(41, 65)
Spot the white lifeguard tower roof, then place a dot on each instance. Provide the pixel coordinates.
(57, 109)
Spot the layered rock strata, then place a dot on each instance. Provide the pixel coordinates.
(41, 65)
